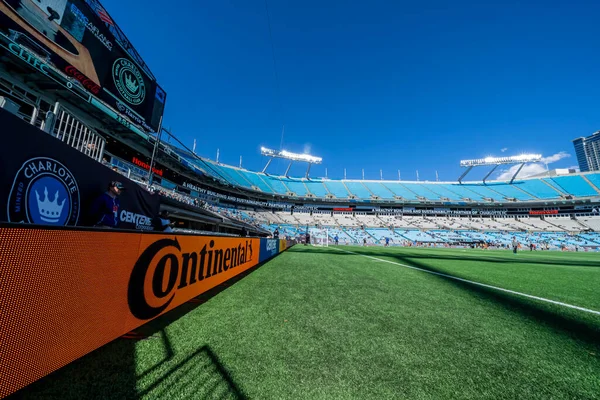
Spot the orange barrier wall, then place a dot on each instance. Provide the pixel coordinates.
(64, 293)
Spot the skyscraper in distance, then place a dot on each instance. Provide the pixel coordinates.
(587, 150)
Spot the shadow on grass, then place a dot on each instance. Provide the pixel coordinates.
(416, 253)
(201, 375)
(585, 329)
(110, 371)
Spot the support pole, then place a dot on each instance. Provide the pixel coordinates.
(517, 173)
(156, 144)
(489, 173)
(307, 169)
(265, 168)
(288, 168)
(465, 174)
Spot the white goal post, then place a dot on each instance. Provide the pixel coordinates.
(320, 237)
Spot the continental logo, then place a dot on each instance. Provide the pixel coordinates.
(163, 269)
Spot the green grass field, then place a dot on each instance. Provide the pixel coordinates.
(322, 323)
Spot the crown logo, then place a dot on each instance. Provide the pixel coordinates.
(50, 211)
(131, 84)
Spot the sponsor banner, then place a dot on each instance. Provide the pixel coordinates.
(208, 194)
(437, 211)
(146, 166)
(543, 212)
(59, 301)
(45, 181)
(587, 209)
(78, 38)
(282, 245)
(268, 248)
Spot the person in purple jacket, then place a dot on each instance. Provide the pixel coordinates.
(105, 208)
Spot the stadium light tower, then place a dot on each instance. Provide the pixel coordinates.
(496, 161)
(289, 156)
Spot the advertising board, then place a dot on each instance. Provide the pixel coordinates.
(60, 301)
(45, 181)
(78, 38)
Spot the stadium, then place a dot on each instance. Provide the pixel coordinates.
(216, 281)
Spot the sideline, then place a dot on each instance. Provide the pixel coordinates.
(529, 296)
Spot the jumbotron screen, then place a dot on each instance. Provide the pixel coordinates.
(80, 39)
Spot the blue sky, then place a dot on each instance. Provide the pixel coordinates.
(376, 85)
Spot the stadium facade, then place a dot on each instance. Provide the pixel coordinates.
(65, 100)
(204, 195)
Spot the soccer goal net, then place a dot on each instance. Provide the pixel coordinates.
(320, 237)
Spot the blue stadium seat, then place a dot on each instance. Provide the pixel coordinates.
(463, 191)
(316, 187)
(418, 236)
(233, 176)
(337, 189)
(220, 173)
(509, 191)
(295, 185)
(198, 164)
(358, 189)
(379, 190)
(595, 179)
(276, 184)
(443, 191)
(450, 236)
(591, 237)
(537, 188)
(574, 185)
(484, 191)
(421, 190)
(379, 234)
(400, 190)
(256, 179)
(554, 185)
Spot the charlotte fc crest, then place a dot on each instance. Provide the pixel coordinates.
(129, 81)
(44, 192)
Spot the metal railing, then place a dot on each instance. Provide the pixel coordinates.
(31, 107)
(69, 129)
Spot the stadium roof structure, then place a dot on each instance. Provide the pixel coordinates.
(574, 188)
(496, 161)
(289, 156)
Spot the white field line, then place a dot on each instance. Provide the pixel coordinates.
(558, 303)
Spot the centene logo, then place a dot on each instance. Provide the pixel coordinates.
(162, 266)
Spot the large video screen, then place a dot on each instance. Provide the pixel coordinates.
(80, 39)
